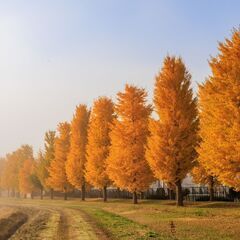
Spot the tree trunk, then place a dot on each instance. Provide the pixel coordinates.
(170, 194)
(105, 194)
(31, 195)
(135, 198)
(179, 195)
(118, 193)
(210, 188)
(41, 193)
(83, 192)
(51, 193)
(65, 193)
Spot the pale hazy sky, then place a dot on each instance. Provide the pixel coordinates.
(55, 54)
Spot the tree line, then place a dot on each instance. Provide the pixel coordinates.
(122, 144)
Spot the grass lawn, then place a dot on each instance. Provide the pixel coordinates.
(203, 220)
(158, 219)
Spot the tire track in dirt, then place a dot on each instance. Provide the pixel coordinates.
(99, 231)
(32, 228)
(10, 224)
(63, 227)
(73, 226)
(44, 222)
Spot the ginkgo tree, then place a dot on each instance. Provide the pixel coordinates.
(126, 165)
(202, 176)
(77, 157)
(57, 172)
(7, 179)
(98, 146)
(2, 169)
(219, 103)
(25, 183)
(38, 178)
(44, 160)
(14, 162)
(171, 145)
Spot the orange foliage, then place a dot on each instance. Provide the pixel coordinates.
(25, 172)
(171, 146)
(2, 170)
(14, 162)
(57, 172)
(220, 115)
(46, 158)
(127, 166)
(75, 165)
(200, 175)
(99, 142)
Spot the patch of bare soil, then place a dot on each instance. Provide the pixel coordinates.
(11, 223)
(44, 223)
(33, 227)
(63, 227)
(98, 230)
(74, 224)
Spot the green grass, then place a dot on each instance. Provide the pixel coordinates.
(119, 227)
(210, 221)
(159, 219)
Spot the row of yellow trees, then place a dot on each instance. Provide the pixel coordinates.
(123, 144)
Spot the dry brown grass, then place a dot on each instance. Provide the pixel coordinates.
(211, 221)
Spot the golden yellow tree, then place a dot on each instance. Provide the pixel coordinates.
(14, 162)
(45, 159)
(126, 165)
(76, 161)
(25, 172)
(57, 172)
(171, 146)
(7, 178)
(10, 176)
(202, 176)
(219, 100)
(99, 143)
(2, 169)
(38, 178)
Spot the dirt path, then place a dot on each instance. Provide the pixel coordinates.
(63, 227)
(73, 226)
(9, 224)
(45, 222)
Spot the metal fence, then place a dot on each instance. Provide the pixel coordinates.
(221, 193)
(190, 194)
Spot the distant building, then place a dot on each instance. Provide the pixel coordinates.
(186, 183)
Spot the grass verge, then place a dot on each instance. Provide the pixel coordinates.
(119, 227)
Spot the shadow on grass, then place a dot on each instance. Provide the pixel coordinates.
(219, 205)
